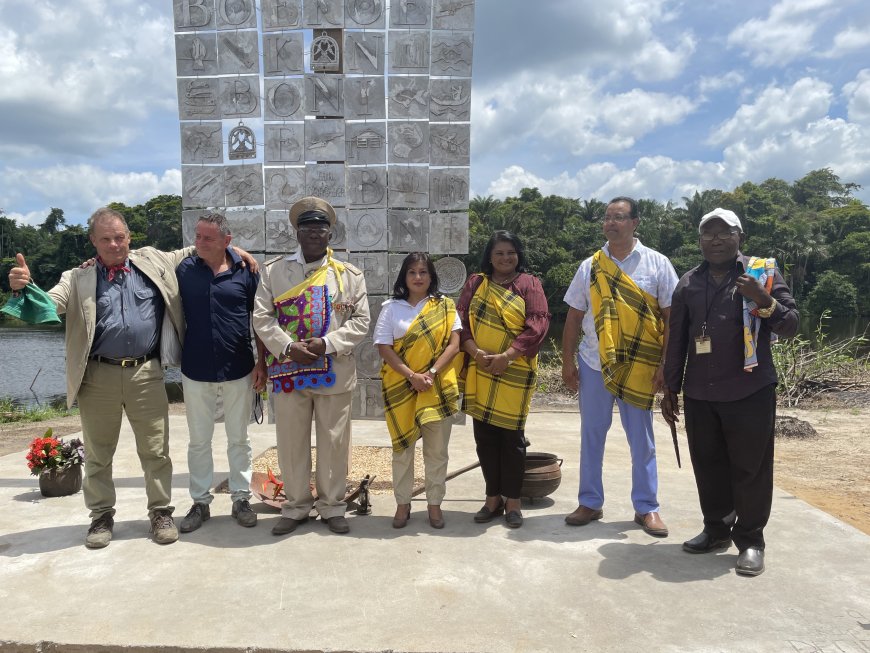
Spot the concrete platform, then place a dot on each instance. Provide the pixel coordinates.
(545, 587)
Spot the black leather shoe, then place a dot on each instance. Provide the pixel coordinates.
(514, 519)
(338, 525)
(286, 525)
(704, 543)
(485, 515)
(750, 562)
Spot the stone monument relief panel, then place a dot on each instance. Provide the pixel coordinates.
(238, 53)
(244, 185)
(368, 401)
(323, 14)
(240, 97)
(451, 54)
(415, 14)
(367, 187)
(364, 98)
(190, 15)
(203, 186)
(368, 360)
(451, 275)
(281, 14)
(374, 266)
(196, 54)
(364, 53)
(366, 143)
(201, 142)
(248, 229)
(408, 231)
(324, 140)
(198, 98)
(283, 99)
(188, 225)
(409, 187)
(338, 234)
(284, 144)
(409, 52)
(367, 230)
(409, 97)
(324, 95)
(448, 233)
(364, 14)
(284, 186)
(453, 14)
(282, 54)
(408, 142)
(448, 189)
(236, 14)
(376, 302)
(449, 100)
(449, 144)
(280, 236)
(326, 180)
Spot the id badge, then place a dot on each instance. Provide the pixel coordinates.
(703, 345)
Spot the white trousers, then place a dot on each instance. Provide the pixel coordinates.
(200, 400)
(435, 437)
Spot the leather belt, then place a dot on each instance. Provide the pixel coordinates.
(123, 362)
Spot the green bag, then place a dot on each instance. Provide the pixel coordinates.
(32, 305)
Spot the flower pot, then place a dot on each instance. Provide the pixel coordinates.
(61, 482)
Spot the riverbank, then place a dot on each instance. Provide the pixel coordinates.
(828, 472)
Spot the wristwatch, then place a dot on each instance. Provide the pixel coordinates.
(767, 312)
(433, 370)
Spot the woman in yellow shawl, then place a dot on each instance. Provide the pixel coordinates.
(505, 318)
(417, 335)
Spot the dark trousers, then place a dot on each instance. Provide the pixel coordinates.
(731, 444)
(502, 455)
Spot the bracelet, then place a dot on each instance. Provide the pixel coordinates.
(767, 312)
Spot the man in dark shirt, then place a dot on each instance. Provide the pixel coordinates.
(217, 294)
(723, 315)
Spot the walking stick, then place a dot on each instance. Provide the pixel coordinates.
(673, 426)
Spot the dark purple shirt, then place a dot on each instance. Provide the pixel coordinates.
(527, 286)
(719, 375)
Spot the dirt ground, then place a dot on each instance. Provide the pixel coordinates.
(829, 471)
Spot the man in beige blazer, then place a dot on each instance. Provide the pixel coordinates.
(115, 310)
(312, 374)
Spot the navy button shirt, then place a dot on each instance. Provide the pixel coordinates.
(217, 308)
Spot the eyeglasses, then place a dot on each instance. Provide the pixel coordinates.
(313, 230)
(722, 235)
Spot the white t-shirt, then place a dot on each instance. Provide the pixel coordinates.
(649, 269)
(396, 318)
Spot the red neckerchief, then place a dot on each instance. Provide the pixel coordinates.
(112, 270)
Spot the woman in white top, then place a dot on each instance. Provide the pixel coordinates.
(417, 335)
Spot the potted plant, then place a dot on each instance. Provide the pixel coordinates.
(57, 463)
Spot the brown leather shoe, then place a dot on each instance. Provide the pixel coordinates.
(652, 524)
(583, 516)
(403, 514)
(436, 517)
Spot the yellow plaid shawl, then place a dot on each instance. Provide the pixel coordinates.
(497, 316)
(407, 410)
(630, 332)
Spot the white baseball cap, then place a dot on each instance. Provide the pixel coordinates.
(728, 217)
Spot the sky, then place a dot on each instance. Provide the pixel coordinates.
(580, 98)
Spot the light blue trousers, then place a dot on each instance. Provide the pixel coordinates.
(596, 416)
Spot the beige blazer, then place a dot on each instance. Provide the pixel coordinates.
(347, 329)
(76, 296)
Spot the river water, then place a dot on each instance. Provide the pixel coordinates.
(33, 366)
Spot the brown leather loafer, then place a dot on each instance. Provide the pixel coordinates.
(436, 517)
(485, 515)
(286, 525)
(652, 524)
(583, 516)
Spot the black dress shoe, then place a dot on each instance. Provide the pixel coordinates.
(485, 515)
(750, 562)
(704, 543)
(514, 519)
(286, 525)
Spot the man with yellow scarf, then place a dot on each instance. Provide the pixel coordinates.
(621, 298)
(311, 311)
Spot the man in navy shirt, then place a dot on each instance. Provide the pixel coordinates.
(217, 294)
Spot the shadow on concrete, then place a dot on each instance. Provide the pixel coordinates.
(664, 562)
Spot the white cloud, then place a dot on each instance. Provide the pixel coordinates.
(776, 109)
(714, 84)
(80, 189)
(574, 113)
(785, 34)
(655, 62)
(849, 40)
(858, 94)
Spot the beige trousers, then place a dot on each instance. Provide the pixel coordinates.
(435, 437)
(108, 391)
(293, 413)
